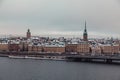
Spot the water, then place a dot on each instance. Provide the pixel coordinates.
(27, 69)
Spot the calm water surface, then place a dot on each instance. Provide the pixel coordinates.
(27, 69)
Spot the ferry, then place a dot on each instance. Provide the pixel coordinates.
(17, 57)
(46, 58)
(39, 58)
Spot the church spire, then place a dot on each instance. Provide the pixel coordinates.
(28, 30)
(85, 31)
(85, 35)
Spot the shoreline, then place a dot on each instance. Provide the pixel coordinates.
(52, 59)
(59, 57)
(39, 58)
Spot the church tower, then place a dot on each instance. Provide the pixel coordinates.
(85, 35)
(28, 34)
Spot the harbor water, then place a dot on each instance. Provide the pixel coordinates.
(28, 69)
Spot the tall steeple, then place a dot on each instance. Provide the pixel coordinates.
(28, 35)
(85, 35)
(85, 28)
(28, 30)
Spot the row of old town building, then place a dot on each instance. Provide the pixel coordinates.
(60, 45)
(54, 46)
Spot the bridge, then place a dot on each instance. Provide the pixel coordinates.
(90, 58)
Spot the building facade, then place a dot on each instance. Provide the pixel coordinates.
(54, 49)
(4, 47)
(83, 47)
(71, 47)
(35, 48)
(13, 47)
(96, 50)
(110, 49)
(23, 46)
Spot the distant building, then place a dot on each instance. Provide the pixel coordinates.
(83, 47)
(110, 49)
(3, 46)
(28, 35)
(23, 46)
(35, 48)
(13, 47)
(96, 49)
(71, 47)
(85, 35)
(54, 49)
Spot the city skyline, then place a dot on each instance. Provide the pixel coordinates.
(60, 18)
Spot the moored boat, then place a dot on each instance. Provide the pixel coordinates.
(38, 58)
(17, 57)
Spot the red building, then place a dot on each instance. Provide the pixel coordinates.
(71, 47)
(13, 47)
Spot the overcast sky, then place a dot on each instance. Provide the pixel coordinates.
(60, 17)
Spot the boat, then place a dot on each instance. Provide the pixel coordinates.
(17, 57)
(38, 58)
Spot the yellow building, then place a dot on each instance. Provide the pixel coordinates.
(4, 47)
(110, 49)
(54, 49)
(83, 47)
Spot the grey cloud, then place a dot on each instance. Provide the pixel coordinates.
(102, 16)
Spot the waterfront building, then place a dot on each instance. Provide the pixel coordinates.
(71, 47)
(110, 49)
(35, 48)
(13, 47)
(23, 46)
(83, 47)
(96, 49)
(54, 49)
(85, 35)
(28, 35)
(61, 45)
(3, 46)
